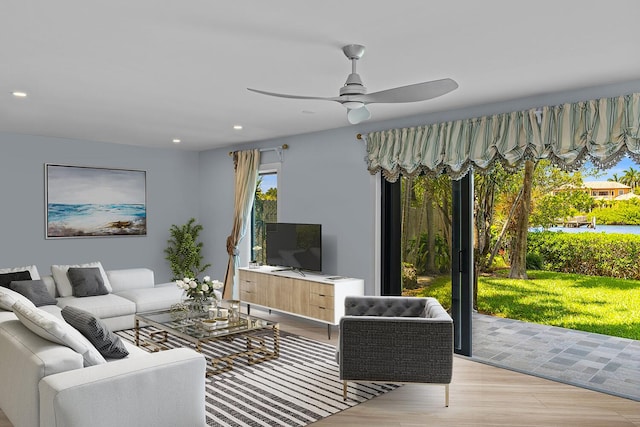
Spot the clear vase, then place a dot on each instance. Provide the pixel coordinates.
(198, 304)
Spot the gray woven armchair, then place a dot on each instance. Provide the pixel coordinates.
(395, 340)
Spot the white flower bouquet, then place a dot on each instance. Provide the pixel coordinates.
(195, 288)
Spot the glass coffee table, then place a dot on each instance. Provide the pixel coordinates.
(195, 329)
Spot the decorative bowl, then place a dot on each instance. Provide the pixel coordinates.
(208, 324)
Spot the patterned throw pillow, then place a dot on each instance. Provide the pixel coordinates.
(106, 342)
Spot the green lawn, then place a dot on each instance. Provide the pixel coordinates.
(588, 303)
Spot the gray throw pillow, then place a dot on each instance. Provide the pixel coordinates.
(86, 282)
(106, 342)
(34, 290)
(7, 278)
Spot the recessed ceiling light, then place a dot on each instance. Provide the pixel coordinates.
(19, 94)
(176, 141)
(237, 127)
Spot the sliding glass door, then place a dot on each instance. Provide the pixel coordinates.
(427, 232)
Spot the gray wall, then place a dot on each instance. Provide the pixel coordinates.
(323, 180)
(172, 197)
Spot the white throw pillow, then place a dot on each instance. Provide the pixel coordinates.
(58, 331)
(9, 297)
(63, 285)
(32, 269)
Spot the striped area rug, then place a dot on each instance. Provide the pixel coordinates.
(297, 389)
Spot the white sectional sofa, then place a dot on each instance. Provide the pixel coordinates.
(133, 291)
(45, 384)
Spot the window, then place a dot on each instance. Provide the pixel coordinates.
(265, 210)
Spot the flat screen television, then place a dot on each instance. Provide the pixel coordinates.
(296, 246)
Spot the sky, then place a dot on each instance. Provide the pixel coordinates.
(269, 181)
(624, 164)
(79, 185)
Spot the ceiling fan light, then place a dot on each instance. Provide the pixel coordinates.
(353, 105)
(358, 115)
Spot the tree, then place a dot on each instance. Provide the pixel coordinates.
(271, 194)
(631, 178)
(519, 246)
(426, 222)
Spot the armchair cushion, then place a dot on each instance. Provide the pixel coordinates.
(385, 306)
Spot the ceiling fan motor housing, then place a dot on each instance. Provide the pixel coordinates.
(353, 86)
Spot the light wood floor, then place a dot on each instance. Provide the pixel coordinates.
(481, 395)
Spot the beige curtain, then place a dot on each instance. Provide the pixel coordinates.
(246, 164)
(601, 130)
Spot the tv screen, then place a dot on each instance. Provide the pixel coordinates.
(297, 246)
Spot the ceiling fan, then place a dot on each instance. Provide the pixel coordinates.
(354, 96)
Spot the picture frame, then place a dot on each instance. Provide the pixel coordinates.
(83, 201)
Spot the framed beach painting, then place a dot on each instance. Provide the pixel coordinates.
(94, 202)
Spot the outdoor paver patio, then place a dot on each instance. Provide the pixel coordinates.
(597, 362)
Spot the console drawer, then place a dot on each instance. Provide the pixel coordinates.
(321, 300)
(322, 313)
(321, 289)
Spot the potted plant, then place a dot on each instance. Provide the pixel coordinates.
(183, 252)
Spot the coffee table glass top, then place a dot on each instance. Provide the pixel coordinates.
(195, 326)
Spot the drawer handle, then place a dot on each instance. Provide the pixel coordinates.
(322, 295)
(322, 308)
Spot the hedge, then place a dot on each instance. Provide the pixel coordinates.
(594, 254)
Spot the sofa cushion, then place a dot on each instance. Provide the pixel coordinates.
(134, 351)
(55, 330)
(130, 278)
(34, 290)
(32, 269)
(150, 299)
(102, 306)
(106, 342)
(63, 285)
(9, 297)
(86, 282)
(7, 278)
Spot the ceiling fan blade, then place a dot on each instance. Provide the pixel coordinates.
(358, 115)
(412, 93)
(282, 95)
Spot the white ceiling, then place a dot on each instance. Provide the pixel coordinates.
(143, 72)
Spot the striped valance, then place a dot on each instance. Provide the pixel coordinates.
(601, 130)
